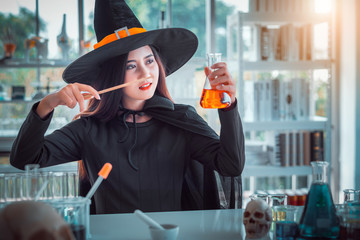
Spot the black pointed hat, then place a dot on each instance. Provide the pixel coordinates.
(118, 31)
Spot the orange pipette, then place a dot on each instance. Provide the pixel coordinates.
(105, 170)
(103, 174)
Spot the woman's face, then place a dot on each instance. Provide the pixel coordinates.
(141, 63)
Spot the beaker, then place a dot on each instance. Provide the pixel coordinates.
(277, 199)
(263, 196)
(319, 218)
(212, 97)
(76, 212)
(286, 221)
(351, 195)
(349, 215)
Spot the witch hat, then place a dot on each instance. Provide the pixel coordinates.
(118, 31)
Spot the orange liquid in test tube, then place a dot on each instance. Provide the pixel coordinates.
(212, 98)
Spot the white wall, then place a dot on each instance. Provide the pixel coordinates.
(348, 94)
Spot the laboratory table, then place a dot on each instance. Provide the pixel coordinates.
(208, 224)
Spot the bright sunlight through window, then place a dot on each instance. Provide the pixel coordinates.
(322, 6)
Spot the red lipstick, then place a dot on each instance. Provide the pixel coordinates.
(145, 86)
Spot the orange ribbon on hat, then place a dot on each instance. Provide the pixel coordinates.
(120, 33)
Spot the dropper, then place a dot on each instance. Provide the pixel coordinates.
(103, 174)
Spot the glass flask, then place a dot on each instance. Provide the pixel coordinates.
(319, 219)
(212, 97)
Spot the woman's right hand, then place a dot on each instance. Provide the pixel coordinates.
(69, 96)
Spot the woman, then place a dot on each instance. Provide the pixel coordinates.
(150, 141)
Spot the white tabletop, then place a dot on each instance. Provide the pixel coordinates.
(208, 224)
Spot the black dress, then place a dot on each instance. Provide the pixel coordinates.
(150, 160)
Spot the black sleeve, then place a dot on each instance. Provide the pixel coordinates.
(32, 146)
(227, 155)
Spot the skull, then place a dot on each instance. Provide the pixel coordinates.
(257, 218)
(32, 220)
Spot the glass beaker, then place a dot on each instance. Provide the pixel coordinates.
(349, 195)
(286, 221)
(319, 219)
(278, 199)
(263, 196)
(212, 97)
(76, 213)
(349, 215)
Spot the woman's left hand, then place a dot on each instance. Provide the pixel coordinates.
(221, 79)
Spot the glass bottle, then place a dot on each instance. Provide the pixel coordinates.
(63, 40)
(349, 195)
(212, 97)
(319, 219)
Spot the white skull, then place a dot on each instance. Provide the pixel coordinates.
(32, 220)
(257, 218)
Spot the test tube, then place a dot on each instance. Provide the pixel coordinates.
(32, 180)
